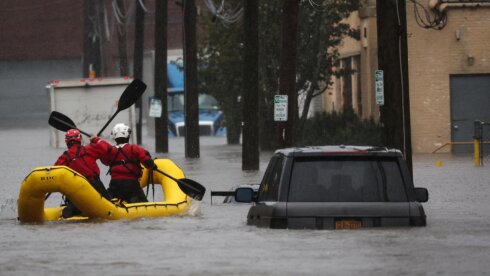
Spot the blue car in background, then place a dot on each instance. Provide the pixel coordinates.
(211, 117)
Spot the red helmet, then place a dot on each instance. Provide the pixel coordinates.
(73, 135)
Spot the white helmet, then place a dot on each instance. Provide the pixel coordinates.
(120, 131)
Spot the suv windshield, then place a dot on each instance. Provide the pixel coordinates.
(176, 102)
(346, 179)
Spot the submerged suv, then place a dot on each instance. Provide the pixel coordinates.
(335, 187)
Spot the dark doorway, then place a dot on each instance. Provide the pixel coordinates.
(470, 101)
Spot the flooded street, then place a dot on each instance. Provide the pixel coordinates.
(217, 241)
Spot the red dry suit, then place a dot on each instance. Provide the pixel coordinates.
(125, 161)
(82, 159)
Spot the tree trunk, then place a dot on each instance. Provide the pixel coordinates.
(191, 105)
(139, 38)
(250, 147)
(233, 124)
(122, 45)
(160, 78)
(287, 78)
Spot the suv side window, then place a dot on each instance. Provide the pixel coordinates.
(269, 188)
(396, 190)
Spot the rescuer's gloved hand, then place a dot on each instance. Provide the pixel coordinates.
(150, 164)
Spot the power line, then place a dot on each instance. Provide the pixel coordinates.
(230, 15)
(426, 20)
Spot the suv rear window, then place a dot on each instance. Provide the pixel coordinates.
(346, 179)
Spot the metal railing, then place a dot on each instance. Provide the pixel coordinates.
(478, 142)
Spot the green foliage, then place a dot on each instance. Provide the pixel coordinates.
(339, 128)
(220, 55)
(220, 52)
(320, 33)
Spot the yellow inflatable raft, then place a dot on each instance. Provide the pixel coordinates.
(44, 180)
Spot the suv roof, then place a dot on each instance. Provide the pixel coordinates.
(339, 150)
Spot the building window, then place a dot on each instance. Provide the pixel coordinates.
(346, 89)
(357, 68)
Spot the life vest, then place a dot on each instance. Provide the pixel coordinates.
(81, 162)
(125, 163)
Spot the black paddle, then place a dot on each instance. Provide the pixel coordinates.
(130, 95)
(188, 186)
(62, 122)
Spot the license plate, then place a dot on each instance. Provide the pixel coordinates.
(348, 224)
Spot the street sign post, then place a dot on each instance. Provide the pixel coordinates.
(379, 80)
(280, 108)
(155, 107)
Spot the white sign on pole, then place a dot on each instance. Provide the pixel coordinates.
(280, 108)
(155, 107)
(380, 89)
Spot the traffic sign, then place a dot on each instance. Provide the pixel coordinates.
(380, 89)
(280, 108)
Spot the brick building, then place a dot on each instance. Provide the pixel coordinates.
(449, 73)
(54, 29)
(44, 40)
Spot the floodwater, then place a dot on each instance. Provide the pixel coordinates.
(216, 239)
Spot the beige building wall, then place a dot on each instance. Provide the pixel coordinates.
(348, 48)
(462, 47)
(363, 59)
(434, 55)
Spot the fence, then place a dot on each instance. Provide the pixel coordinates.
(478, 143)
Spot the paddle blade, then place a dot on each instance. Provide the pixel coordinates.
(60, 121)
(131, 94)
(188, 186)
(191, 188)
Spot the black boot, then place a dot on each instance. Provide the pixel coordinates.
(70, 210)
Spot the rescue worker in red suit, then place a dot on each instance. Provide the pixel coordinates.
(83, 159)
(124, 161)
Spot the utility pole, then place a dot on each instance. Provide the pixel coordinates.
(393, 60)
(90, 41)
(191, 105)
(139, 38)
(122, 42)
(287, 77)
(161, 123)
(250, 146)
(100, 67)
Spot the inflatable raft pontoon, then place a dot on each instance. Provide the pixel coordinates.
(61, 179)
